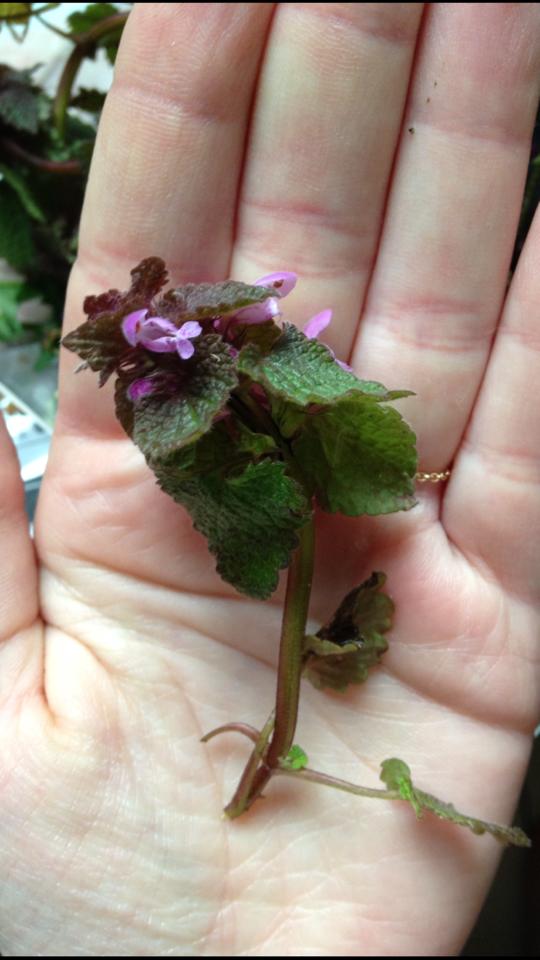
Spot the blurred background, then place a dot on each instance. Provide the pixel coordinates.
(56, 64)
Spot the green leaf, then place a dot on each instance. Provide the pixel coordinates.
(18, 182)
(358, 457)
(296, 758)
(10, 298)
(89, 99)
(200, 301)
(397, 776)
(16, 240)
(83, 20)
(184, 402)
(250, 517)
(304, 372)
(352, 641)
(19, 100)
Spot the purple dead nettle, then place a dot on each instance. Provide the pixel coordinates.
(160, 335)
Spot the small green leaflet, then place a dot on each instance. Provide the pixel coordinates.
(397, 776)
(296, 759)
(344, 650)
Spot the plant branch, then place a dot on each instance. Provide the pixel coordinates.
(83, 42)
(257, 775)
(66, 167)
(314, 776)
(292, 637)
(245, 728)
(241, 801)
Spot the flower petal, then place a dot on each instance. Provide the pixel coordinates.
(185, 349)
(259, 312)
(317, 324)
(131, 324)
(189, 330)
(283, 282)
(160, 344)
(154, 328)
(140, 388)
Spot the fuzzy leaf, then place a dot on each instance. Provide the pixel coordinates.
(200, 301)
(344, 649)
(359, 458)
(363, 616)
(250, 518)
(303, 372)
(19, 100)
(296, 758)
(184, 402)
(397, 776)
(100, 343)
(16, 240)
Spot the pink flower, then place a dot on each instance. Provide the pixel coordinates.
(283, 282)
(315, 326)
(140, 388)
(159, 334)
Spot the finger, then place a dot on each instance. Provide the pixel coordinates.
(492, 507)
(329, 108)
(441, 273)
(164, 176)
(18, 578)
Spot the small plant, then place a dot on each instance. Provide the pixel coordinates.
(253, 426)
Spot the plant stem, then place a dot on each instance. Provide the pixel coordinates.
(292, 638)
(256, 776)
(244, 728)
(240, 801)
(82, 42)
(314, 776)
(65, 167)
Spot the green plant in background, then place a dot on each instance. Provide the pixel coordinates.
(46, 144)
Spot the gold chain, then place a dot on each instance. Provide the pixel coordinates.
(432, 477)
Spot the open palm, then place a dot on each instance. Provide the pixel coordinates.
(378, 150)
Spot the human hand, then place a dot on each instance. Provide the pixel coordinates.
(128, 647)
